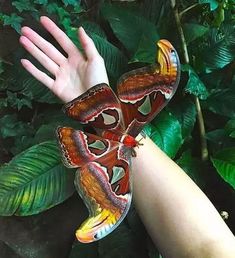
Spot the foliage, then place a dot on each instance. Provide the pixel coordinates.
(34, 181)
(32, 178)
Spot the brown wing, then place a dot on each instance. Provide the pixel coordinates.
(144, 92)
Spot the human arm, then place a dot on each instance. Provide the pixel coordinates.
(177, 215)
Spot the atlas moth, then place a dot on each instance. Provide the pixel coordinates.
(103, 161)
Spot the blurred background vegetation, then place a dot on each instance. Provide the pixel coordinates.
(39, 208)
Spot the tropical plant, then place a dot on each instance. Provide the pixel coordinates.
(39, 208)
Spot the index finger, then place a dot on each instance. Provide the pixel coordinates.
(64, 41)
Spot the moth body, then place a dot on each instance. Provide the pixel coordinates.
(125, 139)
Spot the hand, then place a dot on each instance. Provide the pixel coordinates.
(73, 74)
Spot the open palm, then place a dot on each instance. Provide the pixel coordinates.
(72, 74)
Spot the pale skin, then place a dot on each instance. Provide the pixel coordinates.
(178, 216)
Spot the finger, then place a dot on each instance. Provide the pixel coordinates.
(43, 59)
(88, 45)
(44, 45)
(64, 41)
(39, 75)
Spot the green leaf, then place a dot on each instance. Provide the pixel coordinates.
(219, 49)
(33, 89)
(45, 132)
(154, 10)
(71, 2)
(221, 102)
(193, 167)
(62, 13)
(115, 61)
(194, 31)
(13, 20)
(21, 143)
(230, 128)
(185, 112)
(146, 51)
(224, 162)
(166, 133)
(16, 102)
(52, 8)
(219, 139)
(23, 5)
(93, 28)
(34, 181)
(11, 127)
(130, 28)
(232, 134)
(194, 85)
(213, 3)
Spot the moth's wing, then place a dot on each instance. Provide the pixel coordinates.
(98, 107)
(144, 92)
(78, 147)
(104, 185)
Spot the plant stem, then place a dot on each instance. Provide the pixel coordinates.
(204, 149)
(188, 9)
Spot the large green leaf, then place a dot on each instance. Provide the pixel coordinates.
(165, 131)
(224, 162)
(93, 28)
(34, 181)
(38, 92)
(193, 31)
(222, 102)
(213, 3)
(146, 51)
(115, 60)
(219, 50)
(219, 139)
(135, 32)
(185, 112)
(154, 10)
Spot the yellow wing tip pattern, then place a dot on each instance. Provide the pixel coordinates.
(97, 227)
(168, 58)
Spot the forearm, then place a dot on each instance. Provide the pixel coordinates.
(178, 216)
